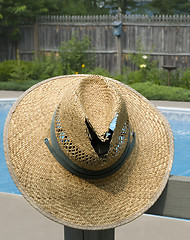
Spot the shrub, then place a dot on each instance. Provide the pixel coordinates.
(156, 92)
(21, 71)
(142, 61)
(15, 70)
(156, 75)
(185, 79)
(147, 69)
(17, 86)
(6, 68)
(75, 57)
(133, 77)
(100, 71)
(45, 66)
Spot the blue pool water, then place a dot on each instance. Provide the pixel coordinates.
(179, 120)
(6, 182)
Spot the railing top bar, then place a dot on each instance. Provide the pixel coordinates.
(111, 18)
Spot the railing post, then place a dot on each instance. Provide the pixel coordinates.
(78, 234)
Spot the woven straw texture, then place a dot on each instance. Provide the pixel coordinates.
(67, 199)
(93, 99)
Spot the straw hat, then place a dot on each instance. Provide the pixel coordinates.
(88, 151)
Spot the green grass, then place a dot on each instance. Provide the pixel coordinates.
(147, 89)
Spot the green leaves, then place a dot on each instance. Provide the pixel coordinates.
(185, 79)
(157, 92)
(19, 9)
(170, 7)
(74, 55)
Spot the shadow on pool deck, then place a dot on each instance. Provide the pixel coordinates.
(20, 221)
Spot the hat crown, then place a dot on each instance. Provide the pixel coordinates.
(100, 104)
(83, 120)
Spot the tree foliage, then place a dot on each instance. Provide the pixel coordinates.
(170, 7)
(124, 5)
(14, 13)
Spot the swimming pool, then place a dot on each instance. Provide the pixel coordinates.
(6, 183)
(178, 118)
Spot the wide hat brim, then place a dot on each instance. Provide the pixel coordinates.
(83, 203)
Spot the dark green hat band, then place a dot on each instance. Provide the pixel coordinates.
(73, 168)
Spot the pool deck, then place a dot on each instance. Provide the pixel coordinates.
(19, 221)
(10, 94)
(16, 94)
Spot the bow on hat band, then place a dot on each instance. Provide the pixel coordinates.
(73, 168)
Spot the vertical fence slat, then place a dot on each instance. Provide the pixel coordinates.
(36, 43)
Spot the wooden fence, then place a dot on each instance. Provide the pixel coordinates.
(165, 38)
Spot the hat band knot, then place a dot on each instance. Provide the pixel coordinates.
(73, 168)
